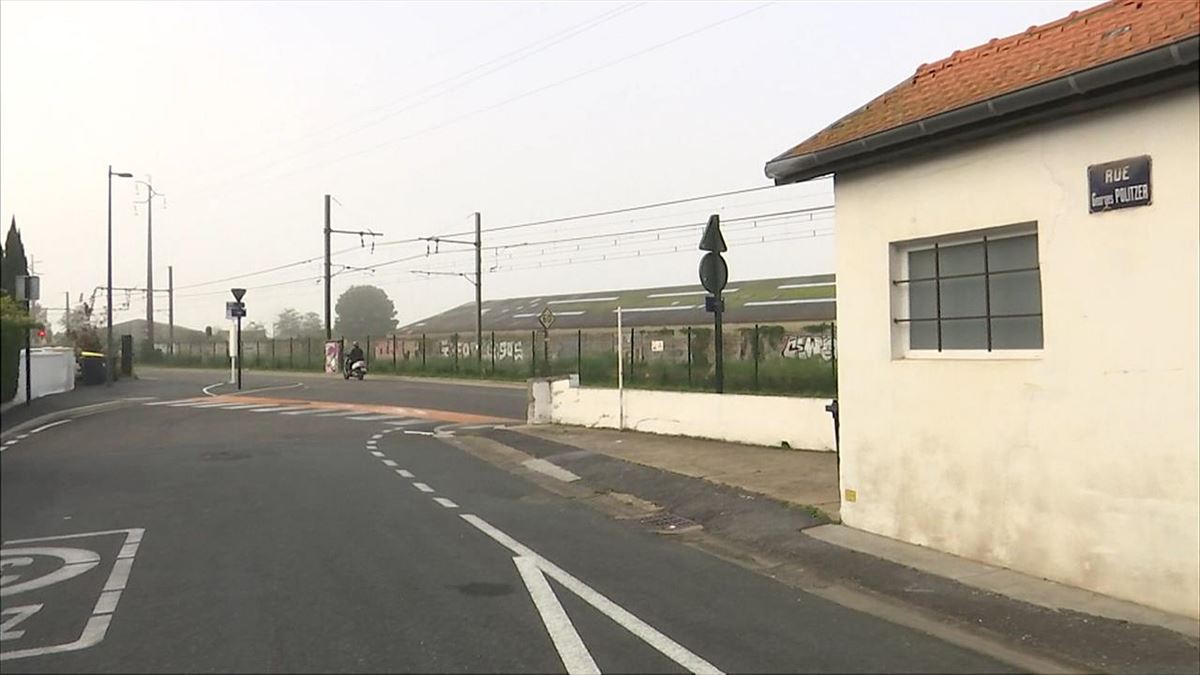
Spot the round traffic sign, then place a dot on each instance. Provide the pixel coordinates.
(714, 273)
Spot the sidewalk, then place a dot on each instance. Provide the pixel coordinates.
(778, 509)
(14, 414)
(313, 374)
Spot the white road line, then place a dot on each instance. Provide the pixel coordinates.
(107, 604)
(185, 404)
(377, 453)
(552, 470)
(303, 412)
(405, 473)
(140, 398)
(423, 487)
(388, 462)
(131, 536)
(405, 423)
(209, 393)
(120, 575)
(174, 401)
(272, 388)
(373, 418)
(445, 502)
(377, 437)
(571, 650)
(647, 633)
(128, 550)
(243, 406)
(411, 432)
(210, 405)
(8, 443)
(21, 437)
(338, 413)
(276, 408)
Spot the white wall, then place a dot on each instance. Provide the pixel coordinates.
(53, 372)
(802, 423)
(1081, 463)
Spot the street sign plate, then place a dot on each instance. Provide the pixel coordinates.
(238, 293)
(714, 273)
(234, 310)
(546, 318)
(711, 303)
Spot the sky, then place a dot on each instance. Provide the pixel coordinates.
(414, 116)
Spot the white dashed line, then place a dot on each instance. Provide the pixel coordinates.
(423, 487)
(388, 462)
(338, 413)
(377, 437)
(278, 409)
(446, 503)
(303, 412)
(405, 473)
(47, 426)
(411, 432)
(405, 423)
(377, 453)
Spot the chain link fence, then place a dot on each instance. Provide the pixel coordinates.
(760, 358)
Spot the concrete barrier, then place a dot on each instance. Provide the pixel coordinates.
(53, 372)
(801, 423)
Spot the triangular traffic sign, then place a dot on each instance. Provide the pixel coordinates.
(712, 239)
(238, 293)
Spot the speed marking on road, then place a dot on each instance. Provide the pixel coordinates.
(41, 581)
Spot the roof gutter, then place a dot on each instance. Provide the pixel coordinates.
(1152, 71)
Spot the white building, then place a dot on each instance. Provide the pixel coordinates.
(1018, 233)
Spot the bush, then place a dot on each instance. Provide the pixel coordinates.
(14, 322)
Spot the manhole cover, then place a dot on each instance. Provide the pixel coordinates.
(668, 523)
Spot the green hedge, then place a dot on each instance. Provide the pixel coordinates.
(13, 324)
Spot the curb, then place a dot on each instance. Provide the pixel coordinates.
(80, 411)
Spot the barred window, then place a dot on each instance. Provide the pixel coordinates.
(972, 293)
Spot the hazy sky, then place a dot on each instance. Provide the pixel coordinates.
(414, 115)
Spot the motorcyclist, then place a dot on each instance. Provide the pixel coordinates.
(355, 355)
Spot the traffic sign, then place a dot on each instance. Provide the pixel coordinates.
(234, 310)
(546, 318)
(713, 240)
(714, 273)
(238, 293)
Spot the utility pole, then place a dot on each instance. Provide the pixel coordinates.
(171, 309)
(149, 202)
(328, 310)
(329, 264)
(478, 295)
(108, 348)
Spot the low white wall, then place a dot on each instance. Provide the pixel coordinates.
(53, 372)
(802, 423)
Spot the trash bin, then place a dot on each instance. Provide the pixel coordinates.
(91, 366)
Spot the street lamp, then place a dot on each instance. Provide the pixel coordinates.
(108, 352)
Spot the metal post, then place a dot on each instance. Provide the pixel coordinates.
(422, 352)
(533, 348)
(689, 354)
(367, 352)
(171, 309)
(328, 307)
(239, 353)
(108, 349)
(394, 353)
(620, 375)
(833, 350)
(274, 362)
(579, 354)
(291, 353)
(719, 345)
(755, 352)
(455, 338)
(631, 350)
(493, 352)
(28, 346)
(149, 271)
(478, 295)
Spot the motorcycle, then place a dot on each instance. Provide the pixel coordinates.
(358, 369)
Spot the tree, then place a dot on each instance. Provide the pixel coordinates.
(15, 263)
(291, 324)
(363, 311)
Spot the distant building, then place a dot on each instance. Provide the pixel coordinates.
(1008, 218)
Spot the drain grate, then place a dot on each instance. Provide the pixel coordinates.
(668, 523)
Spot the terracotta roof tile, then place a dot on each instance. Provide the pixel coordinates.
(1082, 40)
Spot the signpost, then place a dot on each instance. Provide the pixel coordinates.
(714, 274)
(28, 289)
(237, 309)
(546, 318)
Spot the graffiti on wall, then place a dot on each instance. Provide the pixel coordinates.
(809, 347)
(508, 349)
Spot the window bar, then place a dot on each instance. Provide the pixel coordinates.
(937, 289)
(987, 293)
(966, 275)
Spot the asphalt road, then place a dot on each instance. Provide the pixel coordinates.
(296, 538)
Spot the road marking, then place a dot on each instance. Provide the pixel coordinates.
(128, 550)
(209, 393)
(19, 614)
(22, 437)
(184, 404)
(173, 401)
(423, 487)
(445, 502)
(243, 406)
(405, 473)
(571, 650)
(140, 398)
(303, 412)
(372, 418)
(647, 633)
(388, 462)
(411, 432)
(405, 423)
(120, 575)
(210, 405)
(76, 561)
(377, 453)
(377, 437)
(552, 470)
(278, 409)
(107, 604)
(338, 413)
(8, 443)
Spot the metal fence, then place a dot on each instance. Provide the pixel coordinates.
(763, 358)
